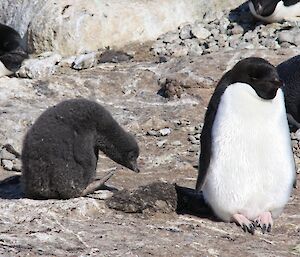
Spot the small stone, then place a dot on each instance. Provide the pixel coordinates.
(297, 40)
(39, 67)
(193, 140)
(85, 61)
(152, 133)
(200, 32)
(165, 131)
(17, 165)
(237, 29)
(197, 136)
(185, 32)
(67, 62)
(161, 143)
(176, 143)
(297, 135)
(179, 50)
(169, 37)
(102, 194)
(4, 154)
(113, 56)
(193, 149)
(285, 36)
(7, 164)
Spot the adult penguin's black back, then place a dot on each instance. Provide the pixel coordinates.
(289, 73)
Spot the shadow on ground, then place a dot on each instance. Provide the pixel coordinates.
(10, 188)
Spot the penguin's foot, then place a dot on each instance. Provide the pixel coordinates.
(246, 224)
(98, 183)
(264, 221)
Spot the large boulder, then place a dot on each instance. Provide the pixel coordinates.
(73, 27)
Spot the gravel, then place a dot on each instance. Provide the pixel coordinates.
(232, 30)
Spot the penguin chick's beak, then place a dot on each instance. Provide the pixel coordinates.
(134, 167)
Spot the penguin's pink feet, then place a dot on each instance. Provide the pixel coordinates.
(264, 221)
(246, 224)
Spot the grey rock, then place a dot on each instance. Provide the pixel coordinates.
(161, 143)
(7, 164)
(179, 50)
(43, 66)
(165, 132)
(102, 194)
(155, 197)
(199, 31)
(237, 29)
(185, 32)
(296, 135)
(17, 165)
(4, 154)
(176, 143)
(194, 148)
(114, 56)
(85, 61)
(193, 140)
(153, 133)
(169, 37)
(285, 36)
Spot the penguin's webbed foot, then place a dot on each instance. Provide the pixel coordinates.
(245, 223)
(264, 221)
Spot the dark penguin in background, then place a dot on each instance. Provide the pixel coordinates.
(12, 51)
(60, 150)
(246, 166)
(289, 73)
(275, 10)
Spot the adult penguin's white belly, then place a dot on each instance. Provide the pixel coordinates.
(251, 168)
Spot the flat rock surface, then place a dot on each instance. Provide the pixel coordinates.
(86, 226)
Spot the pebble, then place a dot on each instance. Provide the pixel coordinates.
(199, 31)
(194, 148)
(85, 61)
(102, 194)
(176, 143)
(4, 154)
(186, 32)
(42, 66)
(165, 131)
(216, 31)
(296, 135)
(193, 140)
(161, 143)
(7, 164)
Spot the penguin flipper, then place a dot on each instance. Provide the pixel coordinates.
(206, 135)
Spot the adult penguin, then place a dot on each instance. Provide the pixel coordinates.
(275, 10)
(12, 50)
(246, 166)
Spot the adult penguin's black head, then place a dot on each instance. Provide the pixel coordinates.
(259, 74)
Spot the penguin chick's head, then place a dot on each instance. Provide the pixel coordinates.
(259, 74)
(123, 150)
(264, 7)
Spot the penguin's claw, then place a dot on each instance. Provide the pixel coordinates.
(246, 224)
(265, 222)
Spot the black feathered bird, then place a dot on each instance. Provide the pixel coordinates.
(12, 50)
(60, 150)
(275, 10)
(289, 73)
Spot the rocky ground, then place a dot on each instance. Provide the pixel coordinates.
(163, 102)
